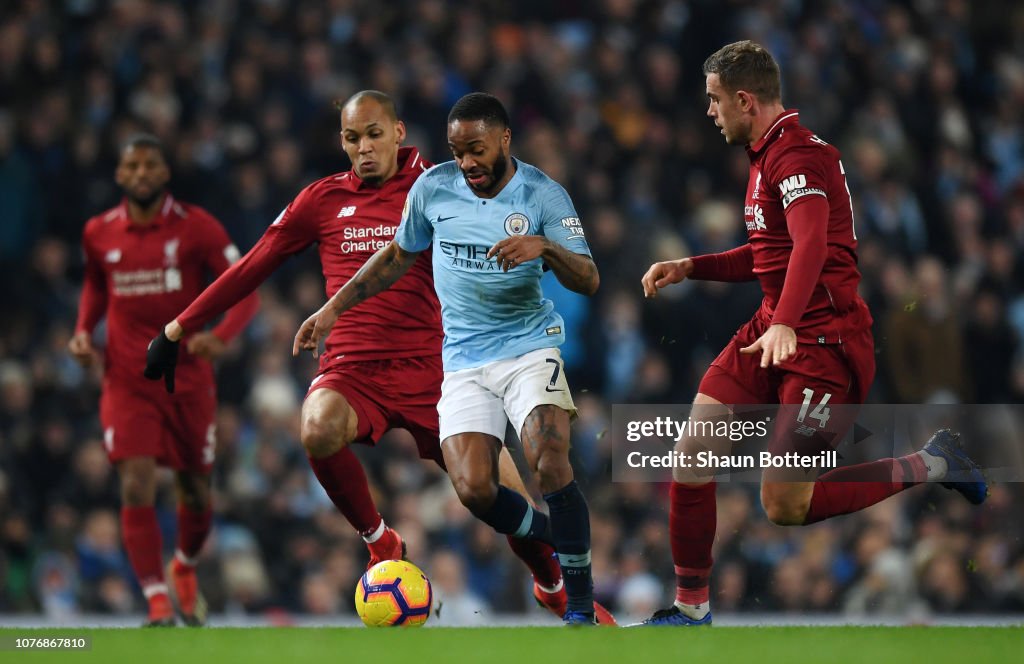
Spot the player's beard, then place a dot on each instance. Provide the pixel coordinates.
(498, 171)
(500, 168)
(146, 202)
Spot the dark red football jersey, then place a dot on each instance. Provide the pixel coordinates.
(351, 220)
(140, 276)
(790, 166)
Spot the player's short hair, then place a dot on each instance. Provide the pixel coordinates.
(382, 98)
(746, 65)
(480, 106)
(143, 140)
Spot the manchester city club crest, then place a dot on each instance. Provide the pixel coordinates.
(517, 224)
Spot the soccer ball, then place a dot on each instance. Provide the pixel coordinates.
(394, 593)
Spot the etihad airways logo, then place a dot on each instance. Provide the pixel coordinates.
(472, 257)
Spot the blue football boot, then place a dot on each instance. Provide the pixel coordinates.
(578, 618)
(673, 617)
(962, 474)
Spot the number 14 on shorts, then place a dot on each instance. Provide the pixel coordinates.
(821, 412)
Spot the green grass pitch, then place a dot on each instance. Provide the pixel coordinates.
(532, 645)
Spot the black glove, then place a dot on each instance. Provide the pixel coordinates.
(161, 360)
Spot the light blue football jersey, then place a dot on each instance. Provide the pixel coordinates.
(487, 314)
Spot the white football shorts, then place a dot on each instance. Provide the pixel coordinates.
(485, 399)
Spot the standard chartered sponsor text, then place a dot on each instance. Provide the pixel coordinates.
(367, 239)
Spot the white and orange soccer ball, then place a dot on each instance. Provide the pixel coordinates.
(394, 593)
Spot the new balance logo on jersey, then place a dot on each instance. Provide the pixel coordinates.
(113, 256)
(347, 211)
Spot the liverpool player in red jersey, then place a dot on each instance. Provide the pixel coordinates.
(381, 367)
(809, 343)
(144, 260)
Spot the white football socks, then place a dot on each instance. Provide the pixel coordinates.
(694, 611)
(553, 589)
(937, 466)
(376, 534)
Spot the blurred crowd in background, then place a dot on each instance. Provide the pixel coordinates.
(923, 97)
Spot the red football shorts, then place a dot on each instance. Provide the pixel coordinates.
(144, 421)
(391, 394)
(818, 375)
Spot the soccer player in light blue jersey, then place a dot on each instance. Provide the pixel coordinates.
(494, 224)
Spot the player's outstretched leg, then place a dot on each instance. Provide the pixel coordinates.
(545, 436)
(194, 519)
(506, 508)
(329, 425)
(852, 488)
(540, 556)
(141, 536)
(471, 459)
(537, 554)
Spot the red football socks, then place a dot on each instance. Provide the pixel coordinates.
(193, 527)
(342, 477)
(692, 519)
(539, 557)
(141, 536)
(853, 488)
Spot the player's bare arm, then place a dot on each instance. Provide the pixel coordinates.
(378, 274)
(664, 274)
(80, 347)
(577, 272)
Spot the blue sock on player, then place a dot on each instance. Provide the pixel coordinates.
(512, 515)
(570, 527)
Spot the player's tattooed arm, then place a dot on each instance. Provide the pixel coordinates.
(377, 274)
(577, 272)
(383, 269)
